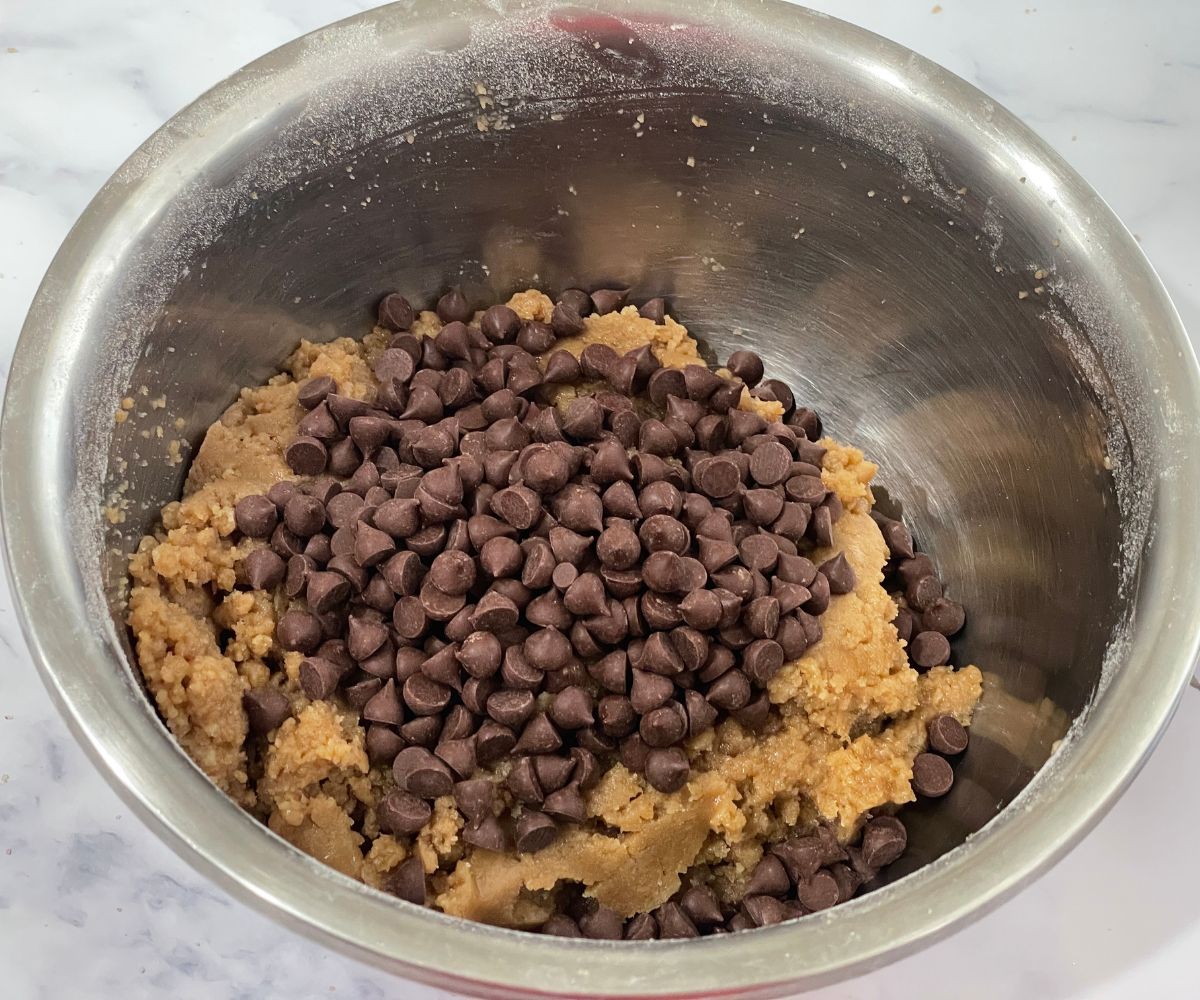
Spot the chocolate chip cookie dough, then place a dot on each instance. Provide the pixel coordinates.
(530, 616)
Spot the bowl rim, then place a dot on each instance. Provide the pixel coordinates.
(1068, 796)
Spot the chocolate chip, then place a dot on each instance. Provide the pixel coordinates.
(264, 569)
(565, 321)
(452, 573)
(754, 715)
(944, 616)
(499, 324)
(519, 506)
(318, 678)
(511, 708)
(602, 924)
(458, 754)
(818, 600)
(534, 831)
(730, 691)
(402, 813)
(923, 592)
(947, 735)
(566, 804)
(616, 716)
(700, 714)
(641, 926)
(384, 707)
(537, 338)
(649, 691)
(266, 708)
(562, 366)
(770, 463)
(667, 769)
(539, 736)
(840, 574)
(572, 709)
(299, 630)
(769, 878)
(747, 366)
(661, 571)
(932, 775)
(761, 911)
(674, 923)
(759, 552)
(883, 841)
(454, 307)
(656, 438)
(475, 798)
(395, 313)
(821, 526)
(896, 535)
(547, 649)
(579, 509)
(552, 772)
(493, 741)
(495, 612)
(701, 905)
(422, 732)
(382, 742)
(425, 696)
(717, 477)
(418, 771)
(488, 834)
(560, 925)
(929, 649)
(407, 881)
(610, 671)
(255, 516)
(595, 360)
(818, 892)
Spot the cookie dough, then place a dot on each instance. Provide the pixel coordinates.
(852, 713)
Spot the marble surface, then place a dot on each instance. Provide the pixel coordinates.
(92, 905)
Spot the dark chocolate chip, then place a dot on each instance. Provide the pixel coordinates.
(418, 771)
(944, 616)
(395, 312)
(403, 813)
(896, 535)
(266, 708)
(818, 892)
(641, 926)
(667, 769)
(747, 366)
(769, 878)
(454, 307)
(255, 516)
(932, 775)
(534, 831)
(300, 630)
(488, 834)
(929, 649)
(883, 841)
(602, 924)
(947, 735)
(407, 881)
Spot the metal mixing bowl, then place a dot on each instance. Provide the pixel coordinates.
(933, 279)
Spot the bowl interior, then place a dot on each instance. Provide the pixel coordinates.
(893, 245)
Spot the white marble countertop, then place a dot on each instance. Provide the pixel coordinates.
(92, 905)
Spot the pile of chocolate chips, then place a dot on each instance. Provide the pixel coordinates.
(503, 588)
(795, 877)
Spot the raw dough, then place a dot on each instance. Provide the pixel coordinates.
(852, 712)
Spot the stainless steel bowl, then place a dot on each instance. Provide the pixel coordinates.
(935, 280)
